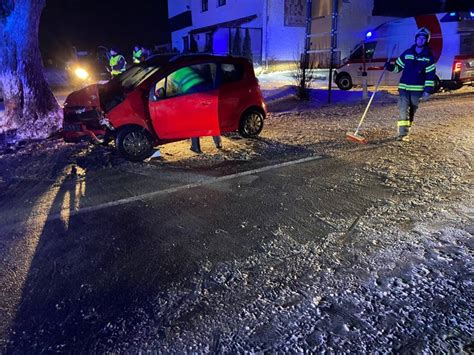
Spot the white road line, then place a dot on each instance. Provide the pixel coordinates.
(202, 182)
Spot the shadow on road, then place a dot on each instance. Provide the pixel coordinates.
(94, 277)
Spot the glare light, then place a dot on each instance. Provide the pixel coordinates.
(368, 34)
(81, 73)
(471, 13)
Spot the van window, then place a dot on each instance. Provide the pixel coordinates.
(369, 51)
(231, 73)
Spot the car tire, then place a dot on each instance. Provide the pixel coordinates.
(134, 143)
(344, 81)
(437, 84)
(251, 123)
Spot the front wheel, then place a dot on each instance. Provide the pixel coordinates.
(251, 124)
(344, 81)
(134, 143)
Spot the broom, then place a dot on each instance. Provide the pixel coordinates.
(356, 137)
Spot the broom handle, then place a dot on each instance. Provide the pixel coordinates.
(373, 94)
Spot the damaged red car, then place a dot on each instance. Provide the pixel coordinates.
(166, 99)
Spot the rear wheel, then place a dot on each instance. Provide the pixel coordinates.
(344, 81)
(134, 143)
(251, 124)
(437, 84)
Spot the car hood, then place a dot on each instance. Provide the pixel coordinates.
(85, 97)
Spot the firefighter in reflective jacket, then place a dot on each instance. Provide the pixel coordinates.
(117, 63)
(137, 54)
(186, 81)
(417, 81)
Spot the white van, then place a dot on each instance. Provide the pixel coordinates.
(452, 44)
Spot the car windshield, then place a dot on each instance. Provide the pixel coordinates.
(136, 75)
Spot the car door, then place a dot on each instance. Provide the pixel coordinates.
(184, 103)
(232, 90)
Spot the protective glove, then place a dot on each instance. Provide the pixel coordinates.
(426, 96)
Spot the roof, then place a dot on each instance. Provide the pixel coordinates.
(234, 23)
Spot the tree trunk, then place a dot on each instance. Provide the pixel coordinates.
(30, 107)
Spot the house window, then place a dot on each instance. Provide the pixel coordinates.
(185, 44)
(208, 47)
(205, 5)
(221, 3)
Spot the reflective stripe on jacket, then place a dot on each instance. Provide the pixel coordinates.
(186, 78)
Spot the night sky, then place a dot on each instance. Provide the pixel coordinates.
(89, 23)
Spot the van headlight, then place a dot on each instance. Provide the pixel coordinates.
(81, 73)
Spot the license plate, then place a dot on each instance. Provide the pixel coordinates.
(70, 127)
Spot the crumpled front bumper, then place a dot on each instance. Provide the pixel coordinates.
(81, 124)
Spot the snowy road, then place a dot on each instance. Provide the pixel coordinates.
(368, 249)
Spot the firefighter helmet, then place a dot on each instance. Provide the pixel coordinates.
(423, 31)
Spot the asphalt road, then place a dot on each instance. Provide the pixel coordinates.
(75, 274)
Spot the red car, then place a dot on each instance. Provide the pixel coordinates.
(167, 99)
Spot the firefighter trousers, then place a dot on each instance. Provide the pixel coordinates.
(408, 104)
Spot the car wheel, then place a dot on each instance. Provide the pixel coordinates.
(134, 143)
(344, 81)
(251, 124)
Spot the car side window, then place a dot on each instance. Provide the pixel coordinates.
(191, 79)
(158, 91)
(369, 51)
(231, 73)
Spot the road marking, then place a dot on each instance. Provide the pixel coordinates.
(153, 194)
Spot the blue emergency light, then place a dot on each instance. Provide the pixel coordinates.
(368, 34)
(471, 13)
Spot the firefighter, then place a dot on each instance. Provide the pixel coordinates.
(117, 63)
(417, 81)
(137, 54)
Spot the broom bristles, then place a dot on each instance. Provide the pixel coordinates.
(356, 138)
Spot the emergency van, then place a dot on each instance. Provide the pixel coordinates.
(452, 44)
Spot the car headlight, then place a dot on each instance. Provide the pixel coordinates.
(81, 73)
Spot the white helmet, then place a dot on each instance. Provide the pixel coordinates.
(423, 32)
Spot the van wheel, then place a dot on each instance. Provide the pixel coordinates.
(251, 124)
(344, 81)
(134, 143)
(437, 84)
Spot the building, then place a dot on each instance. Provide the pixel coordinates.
(274, 30)
(266, 30)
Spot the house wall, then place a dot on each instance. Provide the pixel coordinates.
(232, 10)
(276, 42)
(283, 42)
